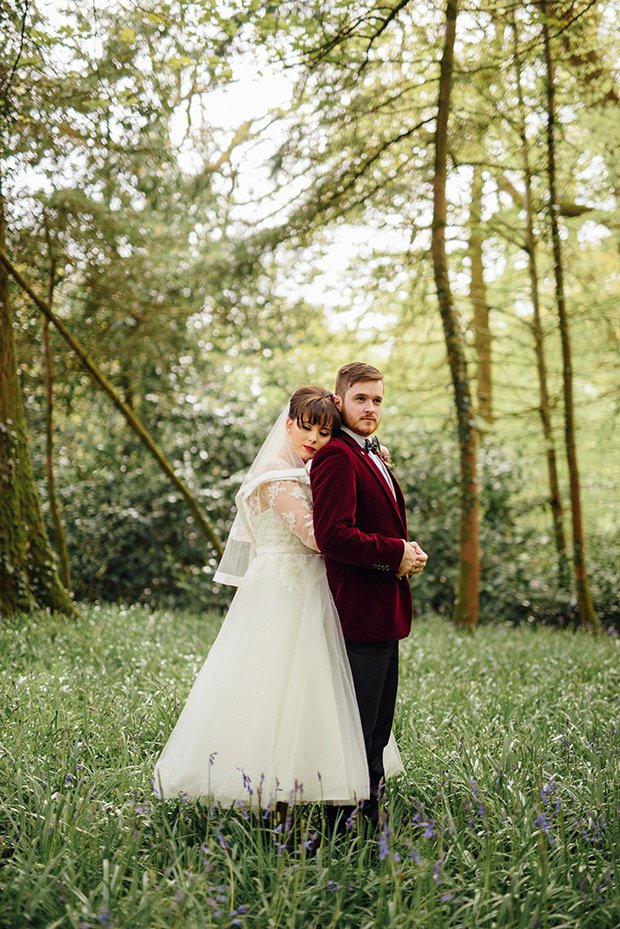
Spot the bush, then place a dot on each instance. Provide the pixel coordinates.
(130, 534)
(519, 564)
(131, 537)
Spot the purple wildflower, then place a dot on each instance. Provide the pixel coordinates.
(383, 846)
(415, 856)
(277, 839)
(157, 789)
(310, 842)
(247, 782)
(351, 823)
(542, 822)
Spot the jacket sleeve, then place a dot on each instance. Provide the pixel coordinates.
(334, 494)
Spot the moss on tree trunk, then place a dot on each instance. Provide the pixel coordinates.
(478, 297)
(28, 575)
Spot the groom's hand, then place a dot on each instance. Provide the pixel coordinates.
(413, 560)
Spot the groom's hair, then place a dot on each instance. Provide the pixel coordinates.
(354, 372)
(314, 405)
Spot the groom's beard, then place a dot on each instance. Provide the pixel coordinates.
(362, 425)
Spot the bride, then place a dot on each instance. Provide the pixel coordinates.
(272, 715)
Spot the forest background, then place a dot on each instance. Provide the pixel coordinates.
(206, 204)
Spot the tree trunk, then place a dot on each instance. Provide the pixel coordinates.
(587, 613)
(133, 421)
(555, 498)
(466, 608)
(59, 532)
(478, 296)
(28, 575)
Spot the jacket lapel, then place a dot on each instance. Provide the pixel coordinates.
(396, 499)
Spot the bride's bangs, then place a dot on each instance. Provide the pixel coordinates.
(321, 411)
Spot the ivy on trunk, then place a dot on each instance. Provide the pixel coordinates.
(28, 574)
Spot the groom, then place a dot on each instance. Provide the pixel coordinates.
(360, 526)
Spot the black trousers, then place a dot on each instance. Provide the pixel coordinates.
(374, 666)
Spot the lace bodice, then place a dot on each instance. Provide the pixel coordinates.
(281, 514)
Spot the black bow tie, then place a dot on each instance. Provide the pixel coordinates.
(372, 445)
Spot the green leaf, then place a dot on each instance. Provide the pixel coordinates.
(179, 61)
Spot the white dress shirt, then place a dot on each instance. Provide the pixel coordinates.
(361, 439)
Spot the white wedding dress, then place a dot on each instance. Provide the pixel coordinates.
(272, 714)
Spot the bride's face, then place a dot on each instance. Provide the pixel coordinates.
(307, 438)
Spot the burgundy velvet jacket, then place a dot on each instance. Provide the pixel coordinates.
(359, 527)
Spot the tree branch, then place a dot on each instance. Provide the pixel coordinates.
(133, 421)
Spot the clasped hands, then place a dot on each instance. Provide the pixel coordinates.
(413, 560)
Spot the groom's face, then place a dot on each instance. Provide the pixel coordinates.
(361, 406)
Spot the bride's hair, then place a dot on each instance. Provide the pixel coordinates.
(314, 405)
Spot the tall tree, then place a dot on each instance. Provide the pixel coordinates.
(530, 245)
(480, 303)
(466, 608)
(587, 612)
(98, 133)
(28, 575)
(59, 529)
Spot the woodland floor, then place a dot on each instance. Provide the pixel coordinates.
(508, 814)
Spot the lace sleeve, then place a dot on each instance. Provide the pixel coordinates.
(290, 502)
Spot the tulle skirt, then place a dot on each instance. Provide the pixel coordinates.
(272, 714)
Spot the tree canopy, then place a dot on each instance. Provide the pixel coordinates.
(211, 253)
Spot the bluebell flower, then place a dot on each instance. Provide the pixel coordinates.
(541, 821)
(383, 847)
(310, 841)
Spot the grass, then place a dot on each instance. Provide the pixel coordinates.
(507, 816)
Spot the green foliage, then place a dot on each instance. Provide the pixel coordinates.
(506, 815)
(124, 200)
(130, 536)
(519, 565)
